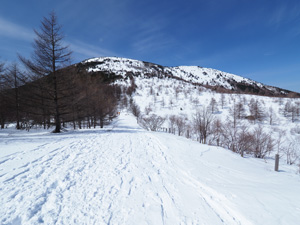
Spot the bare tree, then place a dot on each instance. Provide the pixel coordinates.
(3, 105)
(213, 105)
(263, 143)
(217, 132)
(50, 54)
(172, 121)
(240, 109)
(291, 151)
(222, 100)
(271, 115)
(244, 140)
(287, 108)
(180, 124)
(293, 112)
(14, 79)
(256, 110)
(230, 136)
(234, 113)
(152, 122)
(202, 124)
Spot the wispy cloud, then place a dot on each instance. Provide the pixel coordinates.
(284, 13)
(84, 50)
(12, 30)
(151, 36)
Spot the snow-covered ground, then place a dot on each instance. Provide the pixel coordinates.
(126, 175)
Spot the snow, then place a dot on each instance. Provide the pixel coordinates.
(125, 175)
(194, 74)
(213, 77)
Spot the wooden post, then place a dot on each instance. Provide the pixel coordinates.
(276, 162)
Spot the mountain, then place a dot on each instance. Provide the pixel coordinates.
(120, 68)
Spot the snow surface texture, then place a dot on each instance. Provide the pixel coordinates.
(126, 175)
(193, 74)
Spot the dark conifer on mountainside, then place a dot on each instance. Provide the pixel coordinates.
(50, 55)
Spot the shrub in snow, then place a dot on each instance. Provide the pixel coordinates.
(152, 122)
(263, 143)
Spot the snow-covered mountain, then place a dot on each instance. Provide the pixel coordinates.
(126, 174)
(215, 79)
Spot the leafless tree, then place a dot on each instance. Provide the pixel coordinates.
(222, 100)
(271, 115)
(213, 105)
(14, 79)
(229, 136)
(152, 122)
(188, 133)
(172, 121)
(291, 110)
(256, 110)
(244, 140)
(291, 151)
(217, 132)
(3, 102)
(180, 123)
(263, 143)
(240, 109)
(287, 108)
(203, 120)
(50, 54)
(234, 115)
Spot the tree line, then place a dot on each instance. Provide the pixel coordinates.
(49, 92)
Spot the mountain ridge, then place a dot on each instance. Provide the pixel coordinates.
(121, 68)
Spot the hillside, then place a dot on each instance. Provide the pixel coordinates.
(126, 175)
(215, 79)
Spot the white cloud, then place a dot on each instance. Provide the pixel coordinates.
(151, 36)
(12, 30)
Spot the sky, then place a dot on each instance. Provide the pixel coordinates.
(257, 39)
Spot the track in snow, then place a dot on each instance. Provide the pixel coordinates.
(122, 176)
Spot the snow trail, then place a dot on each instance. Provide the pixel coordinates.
(124, 175)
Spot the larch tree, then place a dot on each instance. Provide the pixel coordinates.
(2, 96)
(13, 80)
(50, 54)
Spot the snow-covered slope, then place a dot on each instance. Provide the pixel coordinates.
(194, 74)
(126, 175)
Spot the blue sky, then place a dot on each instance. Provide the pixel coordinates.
(259, 40)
